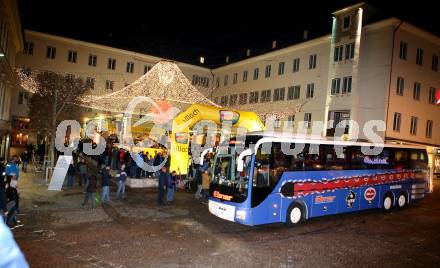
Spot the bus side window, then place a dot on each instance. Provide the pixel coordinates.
(312, 156)
(418, 159)
(332, 161)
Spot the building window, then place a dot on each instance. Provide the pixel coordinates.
(51, 52)
(293, 92)
(242, 98)
(307, 120)
(253, 98)
(71, 56)
(349, 51)
(278, 94)
(413, 129)
(429, 128)
(400, 86)
(92, 60)
(245, 74)
(336, 85)
(234, 78)
(312, 61)
(233, 100)
(296, 65)
(402, 51)
(225, 81)
(111, 64)
(432, 95)
(147, 68)
(224, 101)
(281, 68)
(338, 53)
(291, 120)
(396, 121)
(346, 85)
(346, 23)
(217, 82)
(265, 96)
(419, 57)
(434, 66)
(23, 97)
(268, 69)
(130, 67)
(416, 92)
(90, 82)
(256, 71)
(310, 90)
(109, 85)
(28, 48)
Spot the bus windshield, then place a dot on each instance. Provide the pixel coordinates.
(227, 183)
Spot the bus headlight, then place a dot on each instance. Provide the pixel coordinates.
(240, 214)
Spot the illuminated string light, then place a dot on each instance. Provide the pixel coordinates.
(164, 82)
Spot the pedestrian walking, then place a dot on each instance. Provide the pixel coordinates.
(12, 204)
(24, 160)
(171, 187)
(90, 191)
(105, 195)
(121, 177)
(198, 181)
(70, 175)
(82, 172)
(205, 185)
(164, 177)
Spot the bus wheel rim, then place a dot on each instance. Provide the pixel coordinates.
(295, 215)
(387, 203)
(402, 200)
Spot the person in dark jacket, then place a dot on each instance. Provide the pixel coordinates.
(24, 160)
(70, 175)
(164, 178)
(122, 178)
(2, 189)
(12, 201)
(105, 196)
(171, 186)
(90, 191)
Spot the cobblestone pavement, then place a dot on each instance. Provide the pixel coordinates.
(57, 232)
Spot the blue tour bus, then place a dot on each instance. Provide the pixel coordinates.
(261, 186)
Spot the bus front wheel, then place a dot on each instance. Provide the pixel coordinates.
(387, 203)
(295, 215)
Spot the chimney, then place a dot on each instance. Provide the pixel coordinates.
(248, 52)
(274, 44)
(306, 34)
(227, 59)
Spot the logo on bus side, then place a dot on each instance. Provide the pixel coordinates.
(350, 199)
(370, 194)
(319, 199)
(219, 195)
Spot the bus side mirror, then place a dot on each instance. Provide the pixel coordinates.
(240, 162)
(240, 165)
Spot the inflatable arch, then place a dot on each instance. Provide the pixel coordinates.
(197, 112)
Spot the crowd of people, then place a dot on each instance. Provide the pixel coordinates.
(113, 158)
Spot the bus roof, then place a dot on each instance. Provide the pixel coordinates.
(274, 136)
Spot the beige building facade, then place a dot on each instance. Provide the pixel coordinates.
(11, 42)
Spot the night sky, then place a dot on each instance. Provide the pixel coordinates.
(213, 29)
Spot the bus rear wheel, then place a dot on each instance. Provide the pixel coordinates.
(401, 200)
(387, 203)
(295, 215)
